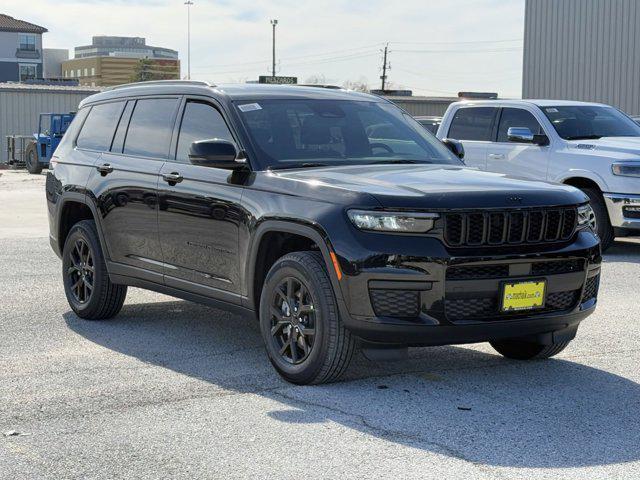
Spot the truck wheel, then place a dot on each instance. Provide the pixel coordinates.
(603, 224)
(89, 291)
(305, 338)
(523, 350)
(31, 159)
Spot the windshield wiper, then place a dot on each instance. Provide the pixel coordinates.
(298, 165)
(397, 160)
(584, 137)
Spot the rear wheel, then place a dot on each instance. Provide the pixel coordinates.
(523, 350)
(89, 291)
(305, 338)
(602, 222)
(31, 159)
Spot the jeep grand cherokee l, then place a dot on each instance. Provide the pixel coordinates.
(292, 204)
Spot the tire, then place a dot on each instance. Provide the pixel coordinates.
(31, 159)
(307, 305)
(522, 350)
(603, 224)
(82, 259)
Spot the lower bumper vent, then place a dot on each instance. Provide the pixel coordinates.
(395, 303)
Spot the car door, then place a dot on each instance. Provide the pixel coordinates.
(518, 159)
(473, 126)
(200, 211)
(126, 184)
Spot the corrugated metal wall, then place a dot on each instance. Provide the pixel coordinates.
(583, 50)
(20, 108)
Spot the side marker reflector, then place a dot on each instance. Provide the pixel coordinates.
(336, 265)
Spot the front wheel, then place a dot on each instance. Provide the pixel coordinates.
(305, 338)
(602, 223)
(524, 350)
(31, 159)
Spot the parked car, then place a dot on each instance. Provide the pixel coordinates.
(274, 201)
(591, 146)
(429, 122)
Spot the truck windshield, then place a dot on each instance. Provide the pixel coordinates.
(292, 133)
(579, 122)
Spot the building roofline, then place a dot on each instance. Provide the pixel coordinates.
(10, 24)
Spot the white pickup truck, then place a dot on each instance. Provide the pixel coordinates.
(591, 146)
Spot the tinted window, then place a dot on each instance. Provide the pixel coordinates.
(299, 132)
(472, 124)
(97, 131)
(200, 121)
(118, 140)
(150, 127)
(576, 122)
(516, 117)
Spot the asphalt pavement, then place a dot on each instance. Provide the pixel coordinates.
(172, 389)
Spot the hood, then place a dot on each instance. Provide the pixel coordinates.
(618, 148)
(429, 186)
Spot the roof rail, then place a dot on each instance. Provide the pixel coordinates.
(318, 85)
(163, 82)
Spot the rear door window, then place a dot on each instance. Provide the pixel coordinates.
(517, 117)
(150, 128)
(99, 127)
(474, 123)
(200, 121)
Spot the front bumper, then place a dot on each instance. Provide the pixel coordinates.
(452, 299)
(624, 210)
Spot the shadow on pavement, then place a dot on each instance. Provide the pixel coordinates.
(555, 413)
(623, 250)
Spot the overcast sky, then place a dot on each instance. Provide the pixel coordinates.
(436, 47)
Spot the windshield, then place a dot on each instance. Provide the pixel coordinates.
(579, 122)
(307, 133)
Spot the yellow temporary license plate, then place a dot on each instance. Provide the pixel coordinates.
(523, 295)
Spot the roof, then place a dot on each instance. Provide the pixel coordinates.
(526, 101)
(10, 24)
(241, 91)
(26, 87)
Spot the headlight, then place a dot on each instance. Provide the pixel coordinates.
(392, 221)
(626, 169)
(586, 217)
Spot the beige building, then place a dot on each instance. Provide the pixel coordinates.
(116, 70)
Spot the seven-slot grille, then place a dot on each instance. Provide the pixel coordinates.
(472, 229)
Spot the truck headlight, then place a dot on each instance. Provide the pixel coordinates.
(626, 169)
(392, 221)
(586, 217)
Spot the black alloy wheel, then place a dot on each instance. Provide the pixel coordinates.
(81, 271)
(293, 320)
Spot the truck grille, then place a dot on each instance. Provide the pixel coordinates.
(509, 227)
(487, 308)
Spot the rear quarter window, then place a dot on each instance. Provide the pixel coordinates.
(99, 127)
(473, 123)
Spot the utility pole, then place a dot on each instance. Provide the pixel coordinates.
(188, 3)
(383, 77)
(274, 22)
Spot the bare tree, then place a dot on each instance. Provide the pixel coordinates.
(316, 79)
(360, 85)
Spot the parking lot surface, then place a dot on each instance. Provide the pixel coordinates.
(171, 389)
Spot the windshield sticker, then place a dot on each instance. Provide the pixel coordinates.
(551, 110)
(249, 107)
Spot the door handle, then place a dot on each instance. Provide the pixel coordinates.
(104, 169)
(496, 156)
(172, 178)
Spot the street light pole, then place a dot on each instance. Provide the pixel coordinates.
(188, 3)
(274, 22)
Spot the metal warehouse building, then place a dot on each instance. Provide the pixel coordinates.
(583, 50)
(21, 105)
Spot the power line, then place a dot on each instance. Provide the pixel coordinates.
(466, 42)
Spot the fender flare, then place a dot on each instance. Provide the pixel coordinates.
(587, 174)
(78, 197)
(310, 230)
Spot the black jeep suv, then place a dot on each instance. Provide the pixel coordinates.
(333, 216)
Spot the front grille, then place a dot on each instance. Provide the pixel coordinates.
(395, 303)
(558, 267)
(473, 229)
(487, 308)
(477, 272)
(591, 288)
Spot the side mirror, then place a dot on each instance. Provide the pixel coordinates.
(215, 153)
(455, 146)
(524, 135)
